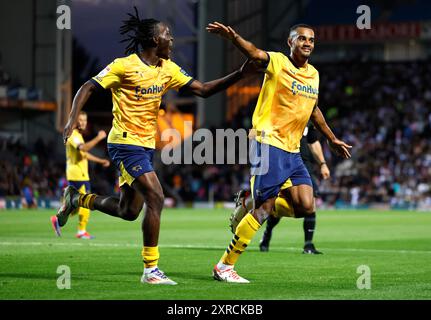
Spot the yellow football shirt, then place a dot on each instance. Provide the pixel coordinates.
(137, 90)
(76, 160)
(286, 101)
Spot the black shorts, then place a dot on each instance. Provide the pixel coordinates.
(316, 193)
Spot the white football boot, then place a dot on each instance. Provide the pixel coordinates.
(228, 275)
(157, 276)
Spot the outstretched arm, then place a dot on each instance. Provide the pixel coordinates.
(93, 142)
(246, 47)
(209, 88)
(338, 146)
(79, 101)
(103, 162)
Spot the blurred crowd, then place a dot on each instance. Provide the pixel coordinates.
(203, 183)
(29, 173)
(34, 173)
(382, 109)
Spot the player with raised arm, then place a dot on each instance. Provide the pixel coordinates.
(77, 157)
(288, 99)
(138, 82)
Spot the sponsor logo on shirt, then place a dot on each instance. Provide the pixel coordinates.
(297, 87)
(154, 90)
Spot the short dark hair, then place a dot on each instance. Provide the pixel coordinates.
(139, 32)
(299, 25)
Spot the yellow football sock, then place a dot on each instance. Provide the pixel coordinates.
(245, 231)
(84, 216)
(87, 200)
(283, 208)
(150, 255)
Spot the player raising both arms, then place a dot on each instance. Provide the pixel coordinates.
(138, 83)
(287, 101)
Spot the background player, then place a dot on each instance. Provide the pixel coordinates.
(287, 100)
(138, 83)
(77, 156)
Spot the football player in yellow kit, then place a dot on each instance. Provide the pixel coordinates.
(287, 101)
(77, 157)
(138, 82)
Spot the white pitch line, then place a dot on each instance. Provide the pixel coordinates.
(187, 246)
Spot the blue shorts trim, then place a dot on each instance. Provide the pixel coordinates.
(79, 184)
(135, 160)
(279, 166)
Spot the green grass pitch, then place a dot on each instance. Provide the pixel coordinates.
(395, 245)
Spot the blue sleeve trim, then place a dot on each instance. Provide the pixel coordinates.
(97, 84)
(269, 59)
(184, 87)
